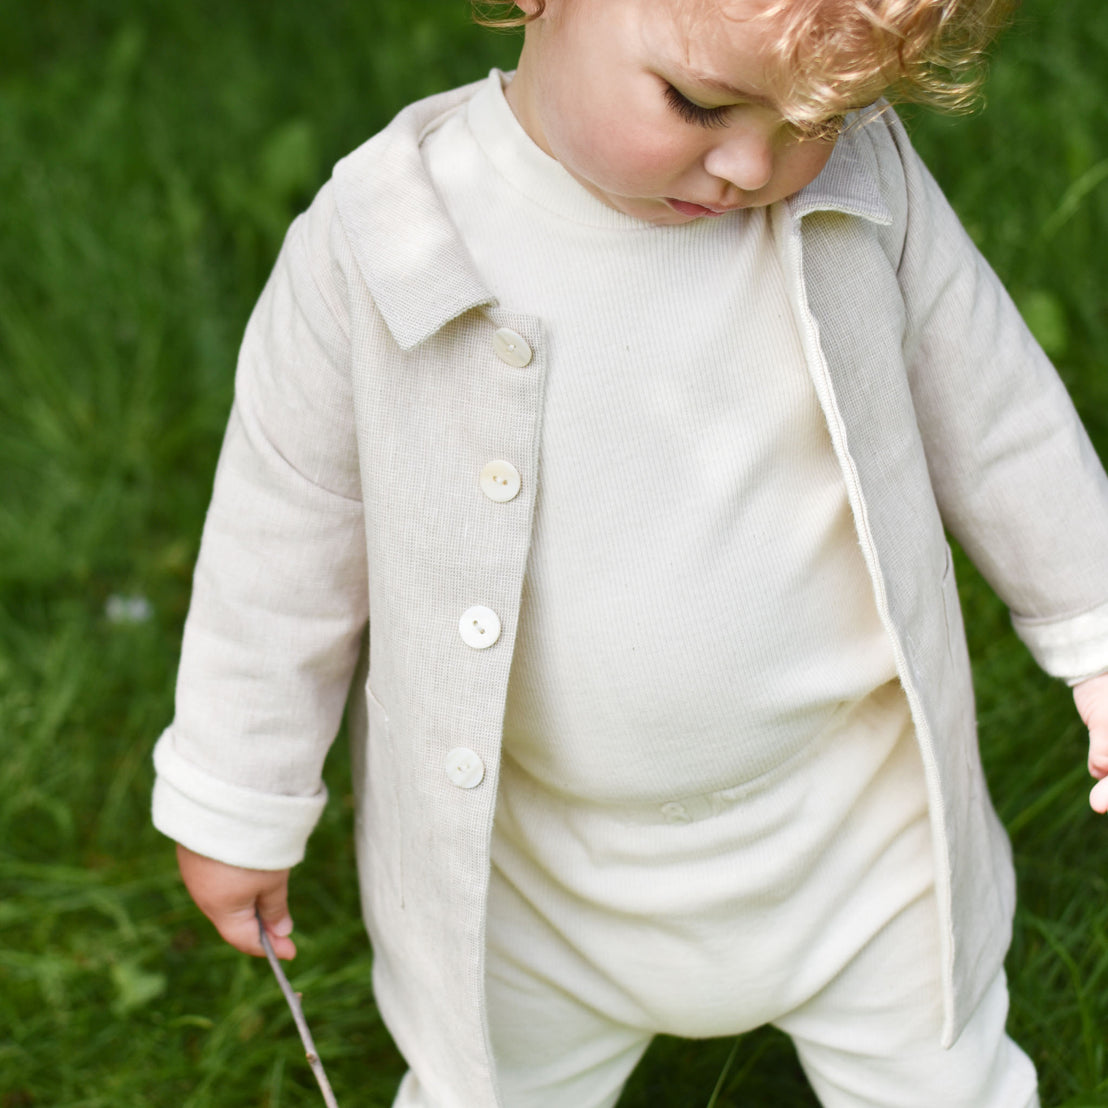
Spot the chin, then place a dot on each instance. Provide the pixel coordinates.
(656, 212)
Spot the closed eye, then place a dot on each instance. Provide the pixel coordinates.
(694, 113)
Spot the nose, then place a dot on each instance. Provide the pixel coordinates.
(743, 159)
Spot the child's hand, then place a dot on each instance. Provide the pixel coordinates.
(228, 895)
(1092, 702)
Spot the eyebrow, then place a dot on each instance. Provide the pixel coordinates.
(731, 91)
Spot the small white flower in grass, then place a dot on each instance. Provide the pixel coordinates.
(128, 609)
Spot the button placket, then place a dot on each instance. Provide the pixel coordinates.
(479, 626)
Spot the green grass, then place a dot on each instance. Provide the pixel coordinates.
(151, 155)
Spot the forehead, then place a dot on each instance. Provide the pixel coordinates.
(713, 17)
(720, 40)
(811, 56)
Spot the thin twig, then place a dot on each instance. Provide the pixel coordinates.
(298, 1016)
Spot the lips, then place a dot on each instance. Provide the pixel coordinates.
(684, 207)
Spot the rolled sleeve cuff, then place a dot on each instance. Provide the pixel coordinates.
(226, 822)
(1074, 648)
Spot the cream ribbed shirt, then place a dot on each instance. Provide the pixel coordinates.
(699, 646)
(696, 609)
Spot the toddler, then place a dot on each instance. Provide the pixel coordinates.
(598, 428)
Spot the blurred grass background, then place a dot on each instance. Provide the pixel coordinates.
(151, 156)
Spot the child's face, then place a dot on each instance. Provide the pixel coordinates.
(661, 108)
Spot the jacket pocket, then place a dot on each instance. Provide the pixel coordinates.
(958, 686)
(379, 841)
(952, 606)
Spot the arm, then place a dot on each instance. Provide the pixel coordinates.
(1091, 697)
(1016, 477)
(279, 601)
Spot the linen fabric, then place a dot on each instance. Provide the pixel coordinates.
(822, 922)
(370, 396)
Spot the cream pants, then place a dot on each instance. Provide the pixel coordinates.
(802, 899)
(870, 1039)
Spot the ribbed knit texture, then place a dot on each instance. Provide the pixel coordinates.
(696, 609)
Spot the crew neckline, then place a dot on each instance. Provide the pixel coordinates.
(530, 170)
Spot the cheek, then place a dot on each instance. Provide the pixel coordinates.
(626, 159)
(805, 163)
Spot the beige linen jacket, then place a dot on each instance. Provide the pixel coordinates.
(369, 397)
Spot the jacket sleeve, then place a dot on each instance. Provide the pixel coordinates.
(279, 596)
(1017, 480)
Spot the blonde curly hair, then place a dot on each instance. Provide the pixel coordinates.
(833, 55)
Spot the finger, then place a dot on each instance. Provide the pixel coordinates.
(283, 946)
(1098, 798)
(1098, 749)
(240, 929)
(274, 912)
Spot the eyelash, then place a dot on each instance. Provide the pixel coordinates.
(826, 130)
(694, 113)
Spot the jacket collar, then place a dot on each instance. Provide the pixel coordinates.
(416, 268)
(849, 183)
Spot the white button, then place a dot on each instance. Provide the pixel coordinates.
(675, 812)
(480, 627)
(464, 768)
(511, 348)
(500, 481)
